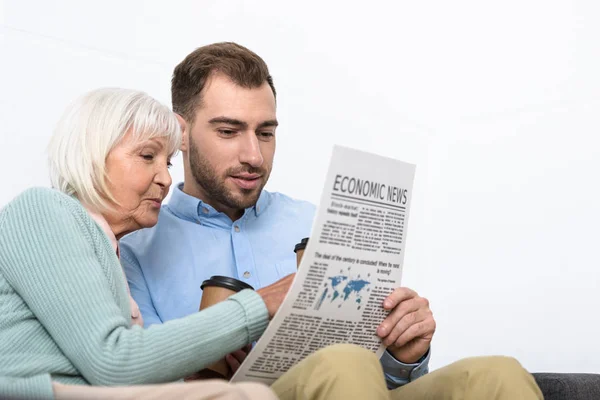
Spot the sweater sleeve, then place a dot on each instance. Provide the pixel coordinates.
(51, 264)
(37, 387)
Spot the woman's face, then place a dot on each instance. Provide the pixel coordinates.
(139, 179)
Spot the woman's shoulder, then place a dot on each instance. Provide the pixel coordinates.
(41, 195)
(39, 201)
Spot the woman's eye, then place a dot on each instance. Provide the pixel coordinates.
(169, 165)
(148, 157)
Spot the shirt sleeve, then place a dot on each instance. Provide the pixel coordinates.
(398, 373)
(49, 260)
(138, 287)
(38, 387)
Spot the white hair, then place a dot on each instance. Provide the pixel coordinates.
(91, 127)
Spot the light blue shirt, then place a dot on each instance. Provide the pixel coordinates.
(165, 265)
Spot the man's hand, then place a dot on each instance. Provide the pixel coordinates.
(235, 359)
(274, 294)
(408, 329)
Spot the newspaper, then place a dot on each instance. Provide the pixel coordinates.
(352, 262)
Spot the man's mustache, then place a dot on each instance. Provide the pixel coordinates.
(246, 170)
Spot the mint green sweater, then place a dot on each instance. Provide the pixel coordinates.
(64, 308)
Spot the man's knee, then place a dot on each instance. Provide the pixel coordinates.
(496, 377)
(346, 356)
(350, 350)
(498, 365)
(492, 372)
(340, 371)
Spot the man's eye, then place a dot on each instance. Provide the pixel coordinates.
(266, 135)
(227, 132)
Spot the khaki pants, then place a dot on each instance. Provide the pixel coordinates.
(343, 372)
(350, 372)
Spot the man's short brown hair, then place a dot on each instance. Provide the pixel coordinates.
(244, 67)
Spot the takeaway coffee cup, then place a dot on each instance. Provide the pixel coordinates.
(299, 250)
(215, 290)
(218, 288)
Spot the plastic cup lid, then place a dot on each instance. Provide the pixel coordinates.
(301, 245)
(226, 282)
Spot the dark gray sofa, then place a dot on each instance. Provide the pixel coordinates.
(569, 386)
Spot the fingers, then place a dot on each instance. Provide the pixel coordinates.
(423, 329)
(398, 296)
(233, 362)
(419, 323)
(408, 329)
(404, 308)
(239, 355)
(235, 359)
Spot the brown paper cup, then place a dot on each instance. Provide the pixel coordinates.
(215, 290)
(214, 294)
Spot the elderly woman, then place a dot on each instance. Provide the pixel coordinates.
(66, 317)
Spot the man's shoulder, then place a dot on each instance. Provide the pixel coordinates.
(283, 202)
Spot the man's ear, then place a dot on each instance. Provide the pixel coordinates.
(184, 132)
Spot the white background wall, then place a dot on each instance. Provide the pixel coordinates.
(497, 103)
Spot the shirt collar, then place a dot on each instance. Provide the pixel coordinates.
(194, 209)
(101, 221)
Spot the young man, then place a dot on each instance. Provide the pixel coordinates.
(220, 221)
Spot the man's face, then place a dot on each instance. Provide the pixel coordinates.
(232, 144)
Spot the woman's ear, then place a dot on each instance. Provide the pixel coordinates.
(184, 133)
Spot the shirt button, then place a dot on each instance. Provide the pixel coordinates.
(237, 229)
(205, 210)
(247, 274)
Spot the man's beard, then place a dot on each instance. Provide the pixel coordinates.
(214, 186)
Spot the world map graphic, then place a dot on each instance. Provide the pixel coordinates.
(343, 288)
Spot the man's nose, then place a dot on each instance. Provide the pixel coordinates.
(250, 152)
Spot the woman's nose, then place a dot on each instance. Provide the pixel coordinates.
(163, 177)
